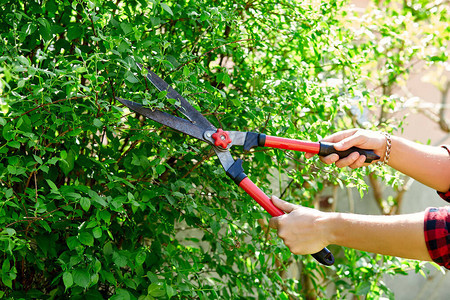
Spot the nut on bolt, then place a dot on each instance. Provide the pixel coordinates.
(221, 138)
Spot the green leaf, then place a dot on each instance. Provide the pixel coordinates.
(126, 27)
(38, 159)
(140, 258)
(86, 238)
(119, 260)
(45, 225)
(9, 193)
(72, 242)
(85, 203)
(109, 277)
(105, 216)
(7, 133)
(67, 161)
(215, 226)
(7, 281)
(166, 8)
(6, 266)
(226, 79)
(67, 279)
(13, 144)
(74, 31)
(178, 195)
(185, 71)
(131, 78)
(156, 290)
(98, 123)
(81, 70)
(160, 169)
(363, 288)
(169, 291)
(45, 28)
(81, 278)
(52, 185)
(121, 294)
(97, 232)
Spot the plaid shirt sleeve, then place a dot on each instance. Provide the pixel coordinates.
(436, 229)
(437, 237)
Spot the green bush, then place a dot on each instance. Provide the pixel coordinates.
(96, 203)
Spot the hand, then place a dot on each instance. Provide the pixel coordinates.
(301, 228)
(364, 139)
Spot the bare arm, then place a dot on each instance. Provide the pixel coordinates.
(427, 164)
(399, 235)
(305, 231)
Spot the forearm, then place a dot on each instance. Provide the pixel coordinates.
(428, 165)
(400, 235)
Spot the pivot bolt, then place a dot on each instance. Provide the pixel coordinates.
(221, 138)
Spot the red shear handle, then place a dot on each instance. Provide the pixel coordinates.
(291, 144)
(255, 192)
(324, 256)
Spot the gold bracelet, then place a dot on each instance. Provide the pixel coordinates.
(388, 148)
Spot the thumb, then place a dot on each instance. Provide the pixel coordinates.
(283, 205)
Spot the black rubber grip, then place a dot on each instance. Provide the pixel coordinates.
(254, 139)
(324, 256)
(236, 172)
(328, 148)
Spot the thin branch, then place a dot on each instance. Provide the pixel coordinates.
(133, 145)
(286, 189)
(395, 209)
(211, 153)
(46, 104)
(377, 193)
(443, 123)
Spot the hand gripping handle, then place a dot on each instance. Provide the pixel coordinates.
(328, 148)
(236, 172)
(320, 148)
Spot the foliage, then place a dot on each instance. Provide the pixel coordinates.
(96, 203)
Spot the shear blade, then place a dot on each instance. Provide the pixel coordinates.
(164, 118)
(185, 107)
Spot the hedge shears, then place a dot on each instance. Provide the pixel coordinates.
(197, 126)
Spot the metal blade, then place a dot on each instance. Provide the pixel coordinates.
(174, 122)
(185, 107)
(238, 138)
(225, 158)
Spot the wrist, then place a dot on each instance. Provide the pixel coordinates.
(330, 226)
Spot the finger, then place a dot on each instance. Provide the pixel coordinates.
(347, 161)
(330, 159)
(273, 223)
(283, 205)
(359, 162)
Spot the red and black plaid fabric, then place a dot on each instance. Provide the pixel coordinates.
(437, 237)
(436, 228)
